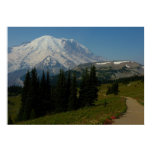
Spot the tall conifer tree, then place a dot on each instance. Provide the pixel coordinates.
(84, 89)
(88, 88)
(42, 101)
(68, 87)
(93, 85)
(73, 101)
(26, 106)
(48, 93)
(34, 94)
(60, 93)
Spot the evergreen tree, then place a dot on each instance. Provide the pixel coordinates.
(88, 88)
(34, 94)
(14, 90)
(93, 82)
(109, 90)
(26, 106)
(60, 101)
(84, 89)
(48, 84)
(73, 101)
(115, 88)
(42, 95)
(68, 87)
(48, 93)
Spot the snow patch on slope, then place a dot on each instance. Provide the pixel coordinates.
(119, 62)
(127, 66)
(102, 63)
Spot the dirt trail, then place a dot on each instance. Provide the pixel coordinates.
(134, 114)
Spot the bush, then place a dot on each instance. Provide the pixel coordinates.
(114, 89)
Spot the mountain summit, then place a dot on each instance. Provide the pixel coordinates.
(48, 52)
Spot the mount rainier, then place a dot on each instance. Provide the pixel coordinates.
(46, 53)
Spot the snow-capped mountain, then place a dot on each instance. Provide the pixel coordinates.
(47, 52)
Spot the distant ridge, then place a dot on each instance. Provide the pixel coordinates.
(112, 70)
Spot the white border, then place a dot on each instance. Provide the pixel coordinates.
(76, 13)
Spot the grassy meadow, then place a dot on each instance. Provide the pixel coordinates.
(14, 104)
(106, 107)
(88, 115)
(134, 90)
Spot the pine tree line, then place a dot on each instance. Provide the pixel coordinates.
(36, 96)
(40, 98)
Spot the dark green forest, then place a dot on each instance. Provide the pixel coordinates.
(39, 97)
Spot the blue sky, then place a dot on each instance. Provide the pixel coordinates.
(112, 43)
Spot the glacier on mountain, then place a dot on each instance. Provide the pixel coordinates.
(47, 53)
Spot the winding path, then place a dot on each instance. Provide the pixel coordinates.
(134, 114)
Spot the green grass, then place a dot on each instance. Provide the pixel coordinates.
(89, 115)
(14, 103)
(134, 90)
(97, 114)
